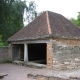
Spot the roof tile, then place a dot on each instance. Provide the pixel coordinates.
(46, 25)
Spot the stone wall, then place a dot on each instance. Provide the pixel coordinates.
(4, 56)
(48, 77)
(65, 56)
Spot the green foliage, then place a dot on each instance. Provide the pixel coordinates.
(76, 21)
(1, 42)
(11, 16)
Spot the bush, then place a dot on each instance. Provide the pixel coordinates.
(5, 43)
(1, 44)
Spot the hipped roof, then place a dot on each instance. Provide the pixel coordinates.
(48, 24)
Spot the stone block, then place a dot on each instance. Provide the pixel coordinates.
(2, 75)
(42, 78)
(73, 76)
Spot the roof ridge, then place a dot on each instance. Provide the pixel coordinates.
(48, 22)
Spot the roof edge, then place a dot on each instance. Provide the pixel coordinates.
(43, 37)
(48, 22)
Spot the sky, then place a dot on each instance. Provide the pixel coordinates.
(68, 8)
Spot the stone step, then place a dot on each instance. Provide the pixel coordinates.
(30, 64)
(2, 75)
(35, 65)
(48, 77)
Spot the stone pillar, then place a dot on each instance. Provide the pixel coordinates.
(25, 53)
(49, 56)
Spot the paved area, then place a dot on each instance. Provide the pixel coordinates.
(16, 72)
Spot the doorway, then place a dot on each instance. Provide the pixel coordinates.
(37, 53)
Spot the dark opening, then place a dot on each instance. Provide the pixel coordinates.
(37, 52)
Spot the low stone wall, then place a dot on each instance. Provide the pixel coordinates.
(46, 77)
(4, 55)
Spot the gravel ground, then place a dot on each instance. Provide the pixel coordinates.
(16, 72)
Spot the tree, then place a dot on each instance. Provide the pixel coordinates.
(1, 43)
(30, 12)
(76, 21)
(11, 16)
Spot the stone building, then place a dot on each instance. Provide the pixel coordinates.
(50, 39)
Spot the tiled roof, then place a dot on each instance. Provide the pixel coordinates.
(48, 24)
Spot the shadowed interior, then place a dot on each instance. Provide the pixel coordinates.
(37, 52)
